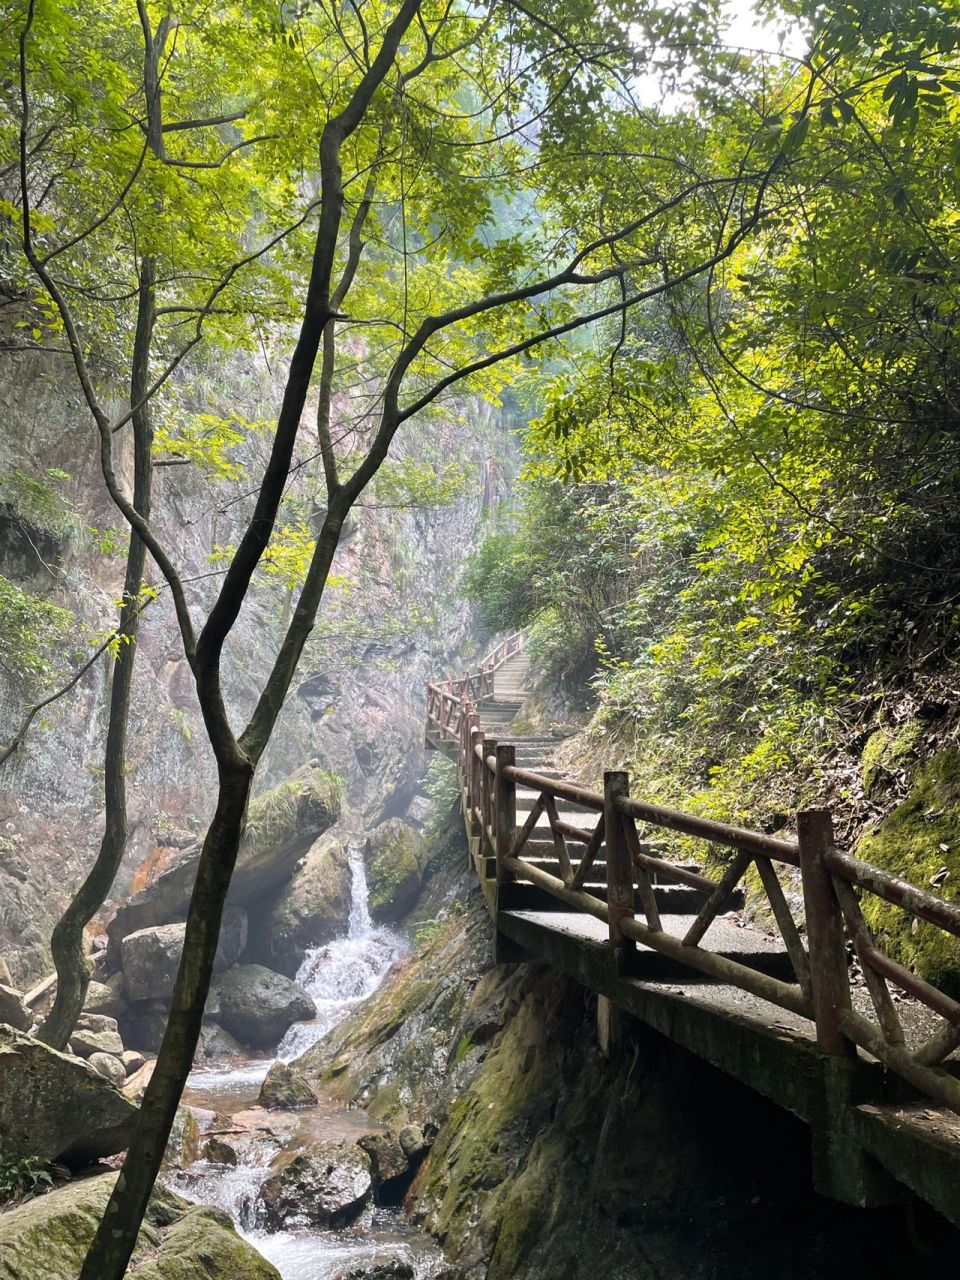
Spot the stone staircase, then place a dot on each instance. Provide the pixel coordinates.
(677, 903)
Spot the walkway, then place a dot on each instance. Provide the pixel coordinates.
(571, 878)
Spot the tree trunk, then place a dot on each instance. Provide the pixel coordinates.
(116, 1235)
(66, 943)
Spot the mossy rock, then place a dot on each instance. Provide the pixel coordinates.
(886, 750)
(920, 841)
(312, 909)
(47, 1238)
(395, 858)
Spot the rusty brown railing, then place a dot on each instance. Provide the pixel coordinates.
(444, 698)
(832, 882)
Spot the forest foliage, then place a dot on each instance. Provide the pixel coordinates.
(739, 506)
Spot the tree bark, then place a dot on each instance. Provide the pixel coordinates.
(66, 943)
(116, 1235)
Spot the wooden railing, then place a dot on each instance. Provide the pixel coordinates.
(832, 882)
(445, 698)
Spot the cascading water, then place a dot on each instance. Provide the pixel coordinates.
(338, 976)
(345, 971)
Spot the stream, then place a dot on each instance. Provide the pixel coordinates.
(338, 976)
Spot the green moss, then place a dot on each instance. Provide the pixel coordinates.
(272, 815)
(920, 840)
(463, 1048)
(885, 749)
(36, 502)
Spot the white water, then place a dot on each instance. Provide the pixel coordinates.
(338, 976)
(344, 972)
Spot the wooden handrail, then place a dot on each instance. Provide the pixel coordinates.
(831, 880)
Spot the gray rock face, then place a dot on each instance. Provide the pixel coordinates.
(143, 1025)
(13, 1011)
(258, 1006)
(313, 908)
(96, 1033)
(47, 1238)
(109, 1067)
(324, 1185)
(282, 824)
(150, 959)
(395, 857)
(285, 1089)
(57, 1107)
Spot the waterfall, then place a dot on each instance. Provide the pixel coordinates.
(338, 975)
(343, 972)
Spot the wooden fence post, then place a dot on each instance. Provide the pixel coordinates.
(505, 808)
(828, 955)
(620, 899)
(488, 782)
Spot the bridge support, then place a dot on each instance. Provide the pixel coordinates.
(842, 1170)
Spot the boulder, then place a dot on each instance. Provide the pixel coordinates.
(312, 909)
(57, 1107)
(150, 959)
(324, 1185)
(395, 856)
(110, 1067)
(215, 1044)
(143, 1025)
(183, 1145)
(136, 1084)
(216, 1151)
(412, 1142)
(258, 1006)
(47, 1238)
(379, 1269)
(13, 1009)
(132, 1061)
(96, 1033)
(285, 1089)
(282, 824)
(107, 997)
(387, 1158)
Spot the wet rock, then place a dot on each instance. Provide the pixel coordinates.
(47, 1238)
(13, 1010)
(387, 1159)
(313, 908)
(56, 1106)
(183, 1145)
(96, 1033)
(110, 1067)
(325, 1185)
(107, 997)
(258, 1006)
(216, 1045)
(395, 856)
(412, 1142)
(379, 1269)
(150, 959)
(132, 1061)
(218, 1152)
(282, 824)
(285, 1089)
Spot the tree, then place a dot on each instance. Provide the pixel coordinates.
(409, 166)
